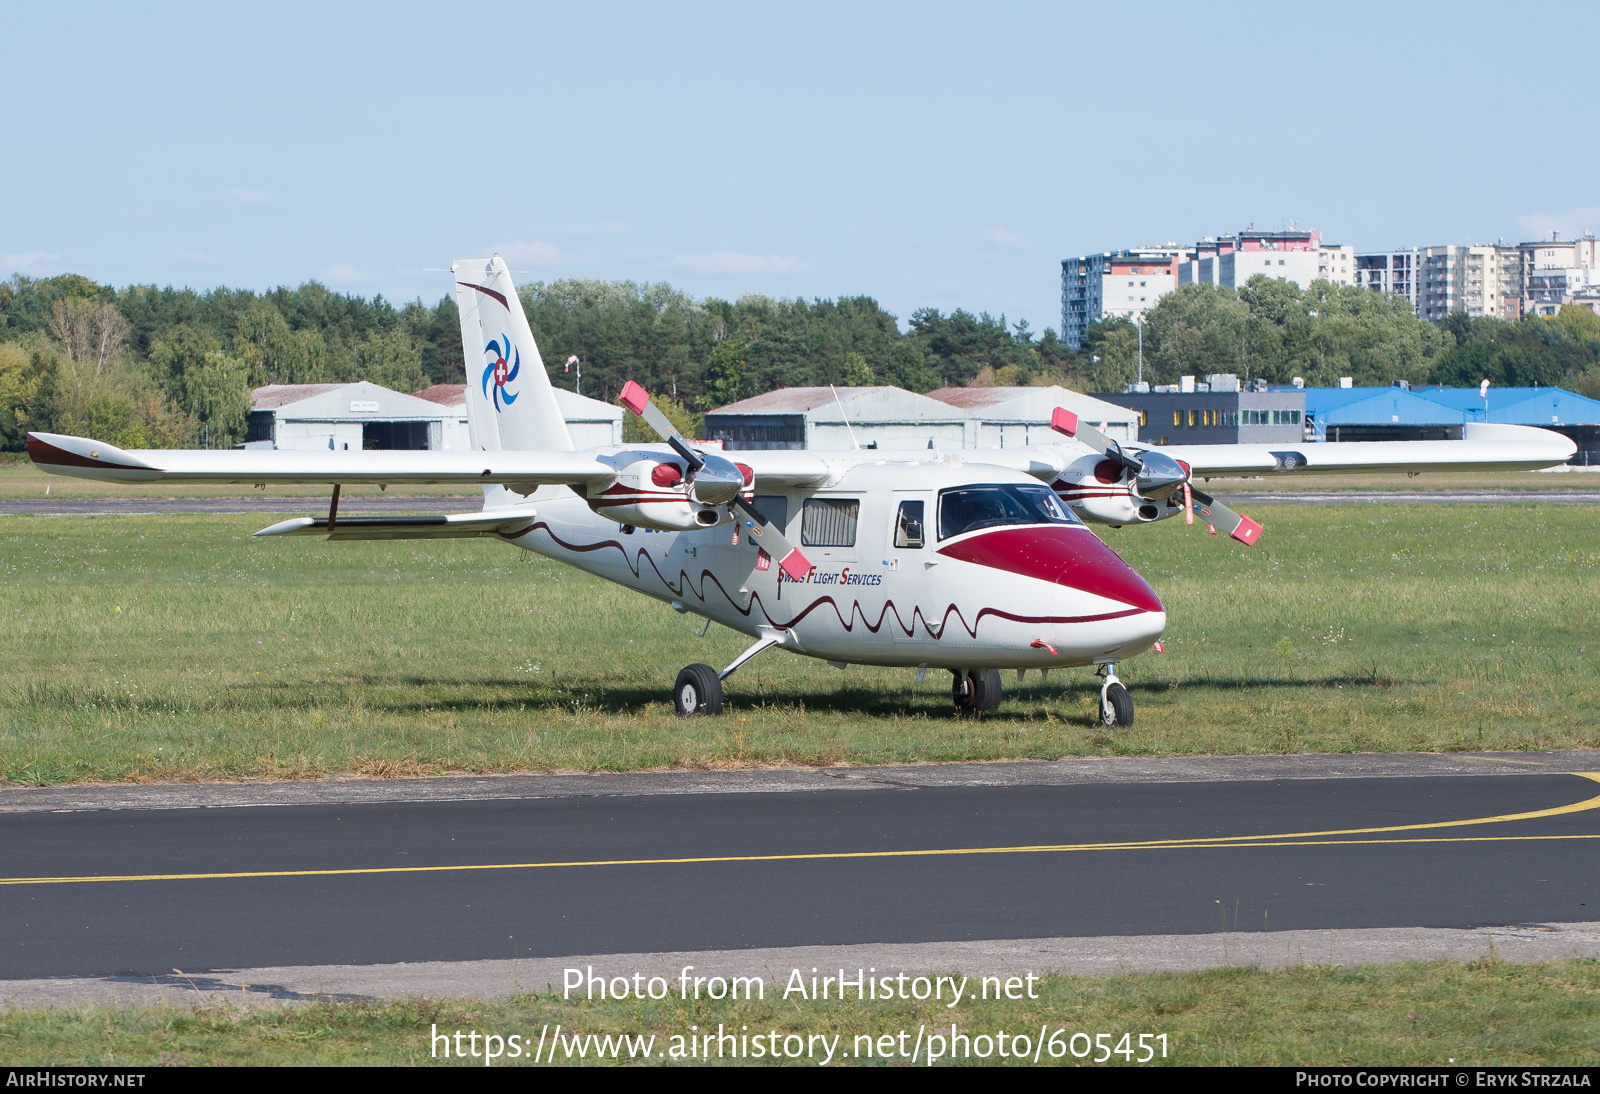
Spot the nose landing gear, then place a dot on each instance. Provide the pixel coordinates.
(1116, 705)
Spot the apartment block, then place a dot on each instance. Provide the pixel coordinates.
(1116, 283)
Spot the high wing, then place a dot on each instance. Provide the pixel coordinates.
(1483, 447)
(84, 458)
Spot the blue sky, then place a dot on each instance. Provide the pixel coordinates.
(924, 154)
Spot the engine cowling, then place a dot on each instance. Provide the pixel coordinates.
(659, 493)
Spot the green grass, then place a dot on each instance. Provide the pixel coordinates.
(1478, 1013)
(178, 648)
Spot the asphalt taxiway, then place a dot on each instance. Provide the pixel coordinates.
(106, 883)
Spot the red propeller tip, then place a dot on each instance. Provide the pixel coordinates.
(634, 397)
(1065, 421)
(795, 565)
(1248, 531)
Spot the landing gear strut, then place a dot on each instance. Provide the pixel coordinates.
(1116, 705)
(978, 689)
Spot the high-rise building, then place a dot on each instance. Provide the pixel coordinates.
(1464, 279)
(1128, 283)
(1555, 272)
(1116, 283)
(1389, 271)
(1297, 256)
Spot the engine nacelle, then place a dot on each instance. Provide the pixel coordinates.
(653, 493)
(1118, 509)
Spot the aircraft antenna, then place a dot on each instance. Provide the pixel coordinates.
(843, 416)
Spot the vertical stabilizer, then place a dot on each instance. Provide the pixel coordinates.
(510, 404)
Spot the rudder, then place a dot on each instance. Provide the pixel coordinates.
(510, 404)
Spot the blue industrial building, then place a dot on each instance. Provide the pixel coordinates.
(1437, 413)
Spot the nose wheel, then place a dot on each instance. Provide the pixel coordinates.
(1116, 705)
(698, 691)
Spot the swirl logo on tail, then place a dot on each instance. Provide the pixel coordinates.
(501, 371)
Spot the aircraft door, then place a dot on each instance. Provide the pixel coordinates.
(908, 552)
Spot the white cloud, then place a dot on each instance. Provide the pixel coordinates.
(534, 253)
(345, 275)
(719, 262)
(597, 228)
(28, 260)
(243, 195)
(195, 258)
(1572, 223)
(1011, 241)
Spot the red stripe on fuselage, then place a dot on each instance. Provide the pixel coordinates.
(1074, 557)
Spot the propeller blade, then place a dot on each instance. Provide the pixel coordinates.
(637, 399)
(768, 539)
(1065, 421)
(1219, 516)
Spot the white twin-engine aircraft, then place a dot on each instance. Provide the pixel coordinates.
(966, 561)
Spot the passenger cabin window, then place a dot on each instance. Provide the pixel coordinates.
(908, 525)
(969, 508)
(829, 522)
(775, 507)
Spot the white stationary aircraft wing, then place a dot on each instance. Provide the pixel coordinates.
(1483, 447)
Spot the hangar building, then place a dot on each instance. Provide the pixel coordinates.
(891, 417)
(364, 415)
(1399, 413)
(342, 418)
(810, 417)
(1009, 417)
(1216, 411)
(591, 422)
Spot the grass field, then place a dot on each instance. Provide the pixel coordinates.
(178, 648)
(1479, 1013)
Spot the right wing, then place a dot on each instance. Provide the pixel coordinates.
(83, 458)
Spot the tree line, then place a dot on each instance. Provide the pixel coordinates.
(144, 366)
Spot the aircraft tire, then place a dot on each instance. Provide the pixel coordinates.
(982, 690)
(698, 691)
(1117, 710)
(989, 693)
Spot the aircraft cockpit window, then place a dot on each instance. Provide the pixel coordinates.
(908, 525)
(829, 522)
(969, 508)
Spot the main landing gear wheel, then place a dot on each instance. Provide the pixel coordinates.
(1116, 706)
(698, 691)
(978, 690)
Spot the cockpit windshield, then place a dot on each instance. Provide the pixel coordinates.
(968, 508)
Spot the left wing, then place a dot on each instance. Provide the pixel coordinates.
(1483, 447)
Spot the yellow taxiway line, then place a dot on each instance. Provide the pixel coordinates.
(1280, 839)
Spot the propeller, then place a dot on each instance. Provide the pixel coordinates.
(769, 539)
(1217, 515)
(1158, 477)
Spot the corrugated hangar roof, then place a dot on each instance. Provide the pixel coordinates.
(862, 404)
(1030, 404)
(574, 407)
(273, 396)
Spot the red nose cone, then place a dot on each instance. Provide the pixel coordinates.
(1073, 557)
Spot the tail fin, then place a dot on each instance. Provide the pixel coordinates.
(510, 404)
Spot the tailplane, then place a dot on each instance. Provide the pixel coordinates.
(510, 404)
